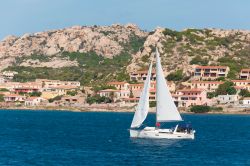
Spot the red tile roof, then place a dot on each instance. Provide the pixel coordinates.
(208, 82)
(211, 67)
(116, 83)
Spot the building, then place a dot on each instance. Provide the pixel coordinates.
(119, 85)
(227, 99)
(210, 86)
(9, 75)
(55, 83)
(190, 97)
(241, 84)
(246, 101)
(245, 74)
(141, 76)
(14, 98)
(115, 94)
(34, 101)
(210, 72)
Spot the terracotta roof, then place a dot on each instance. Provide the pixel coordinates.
(208, 82)
(211, 67)
(144, 72)
(31, 98)
(246, 98)
(135, 84)
(240, 80)
(131, 99)
(191, 90)
(245, 70)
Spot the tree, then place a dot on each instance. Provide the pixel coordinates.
(1, 98)
(244, 93)
(226, 88)
(175, 76)
(72, 93)
(35, 94)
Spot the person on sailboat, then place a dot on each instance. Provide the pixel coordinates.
(158, 125)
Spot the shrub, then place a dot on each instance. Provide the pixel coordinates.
(244, 93)
(1, 98)
(4, 90)
(198, 60)
(175, 76)
(35, 94)
(226, 88)
(200, 109)
(211, 95)
(55, 99)
(72, 93)
(152, 104)
(98, 99)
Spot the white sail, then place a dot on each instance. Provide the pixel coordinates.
(165, 106)
(143, 105)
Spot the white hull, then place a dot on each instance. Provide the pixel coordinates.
(153, 133)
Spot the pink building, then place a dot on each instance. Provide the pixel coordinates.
(190, 97)
(207, 85)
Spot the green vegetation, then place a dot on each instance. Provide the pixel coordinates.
(198, 60)
(35, 94)
(200, 109)
(226, 88)
(92, 69)
(234, 66)
(4, 90)
(41, 58)
(98, 99)
(244, 93)
(72, 93)
(57, 98)
(211, 95)
(1, 98)
(175, 76)
(152, 104)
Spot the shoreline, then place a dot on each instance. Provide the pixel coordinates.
(118, 110)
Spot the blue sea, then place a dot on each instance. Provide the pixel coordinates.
(92, 138)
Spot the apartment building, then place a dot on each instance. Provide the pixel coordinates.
(141, 76)
(210, 86)
(210, 72)
(54, 83)
(190, 97)
(245, 74)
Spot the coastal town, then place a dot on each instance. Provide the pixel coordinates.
(207, 86)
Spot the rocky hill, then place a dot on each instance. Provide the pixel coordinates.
(100, 53)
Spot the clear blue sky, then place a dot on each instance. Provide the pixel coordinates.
(22, 16)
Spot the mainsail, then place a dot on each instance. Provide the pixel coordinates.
(165, 106)
(143, 105)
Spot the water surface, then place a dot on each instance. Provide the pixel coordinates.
(70, 138)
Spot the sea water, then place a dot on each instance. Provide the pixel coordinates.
(93, 138)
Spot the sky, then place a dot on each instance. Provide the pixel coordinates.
(28, 16)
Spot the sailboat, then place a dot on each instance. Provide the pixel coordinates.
(166, 111)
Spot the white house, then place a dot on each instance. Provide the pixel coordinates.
(226, 99)
(246, 101)
(34, 101)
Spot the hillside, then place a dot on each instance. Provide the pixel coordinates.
(101, 53)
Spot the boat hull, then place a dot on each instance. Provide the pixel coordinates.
(153, 133)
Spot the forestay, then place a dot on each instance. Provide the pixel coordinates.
(165, 106)
(143, 105)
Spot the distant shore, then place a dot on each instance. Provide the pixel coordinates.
(118, 109)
